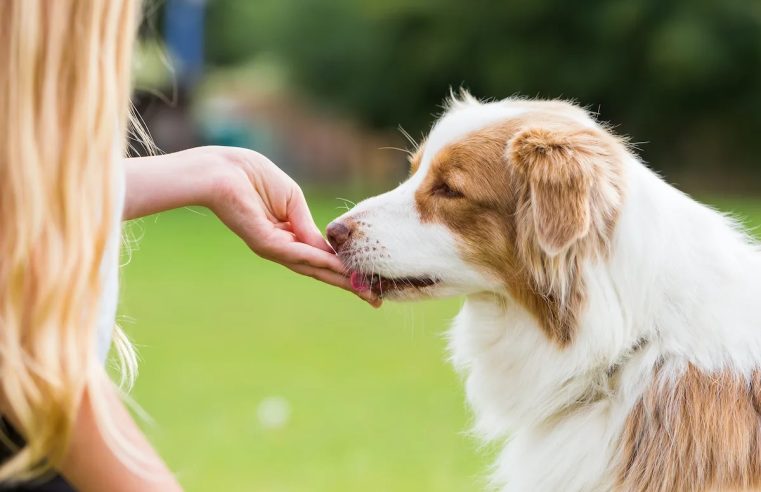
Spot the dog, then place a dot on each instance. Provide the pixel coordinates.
(610, 338)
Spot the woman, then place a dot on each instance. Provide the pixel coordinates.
(64, 187)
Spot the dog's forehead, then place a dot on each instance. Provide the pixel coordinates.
(463, 118)
(459, 122)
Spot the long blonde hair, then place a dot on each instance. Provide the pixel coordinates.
(64, 108)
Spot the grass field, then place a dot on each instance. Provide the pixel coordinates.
(259, 380)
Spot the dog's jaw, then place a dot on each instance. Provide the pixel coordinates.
(390, 240)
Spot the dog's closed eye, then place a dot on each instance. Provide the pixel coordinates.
(446, 191)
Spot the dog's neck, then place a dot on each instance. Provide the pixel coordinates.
(517, 377)
(686, 277)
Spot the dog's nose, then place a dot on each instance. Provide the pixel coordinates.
(338, 233)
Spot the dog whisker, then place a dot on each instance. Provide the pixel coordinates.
(346, 201)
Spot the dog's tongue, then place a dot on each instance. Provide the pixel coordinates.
(359, 282)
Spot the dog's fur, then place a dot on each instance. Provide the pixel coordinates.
(611, 334)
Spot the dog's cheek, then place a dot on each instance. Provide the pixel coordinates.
(488, 244)
(425, 206)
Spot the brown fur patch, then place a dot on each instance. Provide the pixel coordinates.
(558, 185)
(700, 432)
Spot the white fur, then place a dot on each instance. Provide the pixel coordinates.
(680, 274)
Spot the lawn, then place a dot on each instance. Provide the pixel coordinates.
(259, 380)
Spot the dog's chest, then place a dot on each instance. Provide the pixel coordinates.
(514, 383)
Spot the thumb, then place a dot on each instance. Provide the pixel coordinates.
(303, 224)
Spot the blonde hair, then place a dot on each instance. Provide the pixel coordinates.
(64, 108)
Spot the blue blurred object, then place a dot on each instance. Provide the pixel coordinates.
(227, 133)
(184, 30)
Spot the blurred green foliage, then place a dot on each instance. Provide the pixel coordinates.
(682, 75)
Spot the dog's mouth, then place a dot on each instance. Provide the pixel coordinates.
(382, 286)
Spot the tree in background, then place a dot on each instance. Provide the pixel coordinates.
(682, 75)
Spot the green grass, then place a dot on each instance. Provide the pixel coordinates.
(374, 406)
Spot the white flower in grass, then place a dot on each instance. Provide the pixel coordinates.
(274, 412)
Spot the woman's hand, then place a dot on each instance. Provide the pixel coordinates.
(267, 209)
(252, 196)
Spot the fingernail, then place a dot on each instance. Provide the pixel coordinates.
(374, 302)
(370, 299)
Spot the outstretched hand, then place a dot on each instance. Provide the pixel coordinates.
(267, 209)
(250, 194)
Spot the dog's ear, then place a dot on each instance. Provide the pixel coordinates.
(558, 167)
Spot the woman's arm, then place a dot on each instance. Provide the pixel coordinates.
(251, 195)
(91, 465)
(168, 181)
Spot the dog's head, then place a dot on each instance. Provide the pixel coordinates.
(508, 197)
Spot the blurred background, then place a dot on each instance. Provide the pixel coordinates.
(258, 380)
